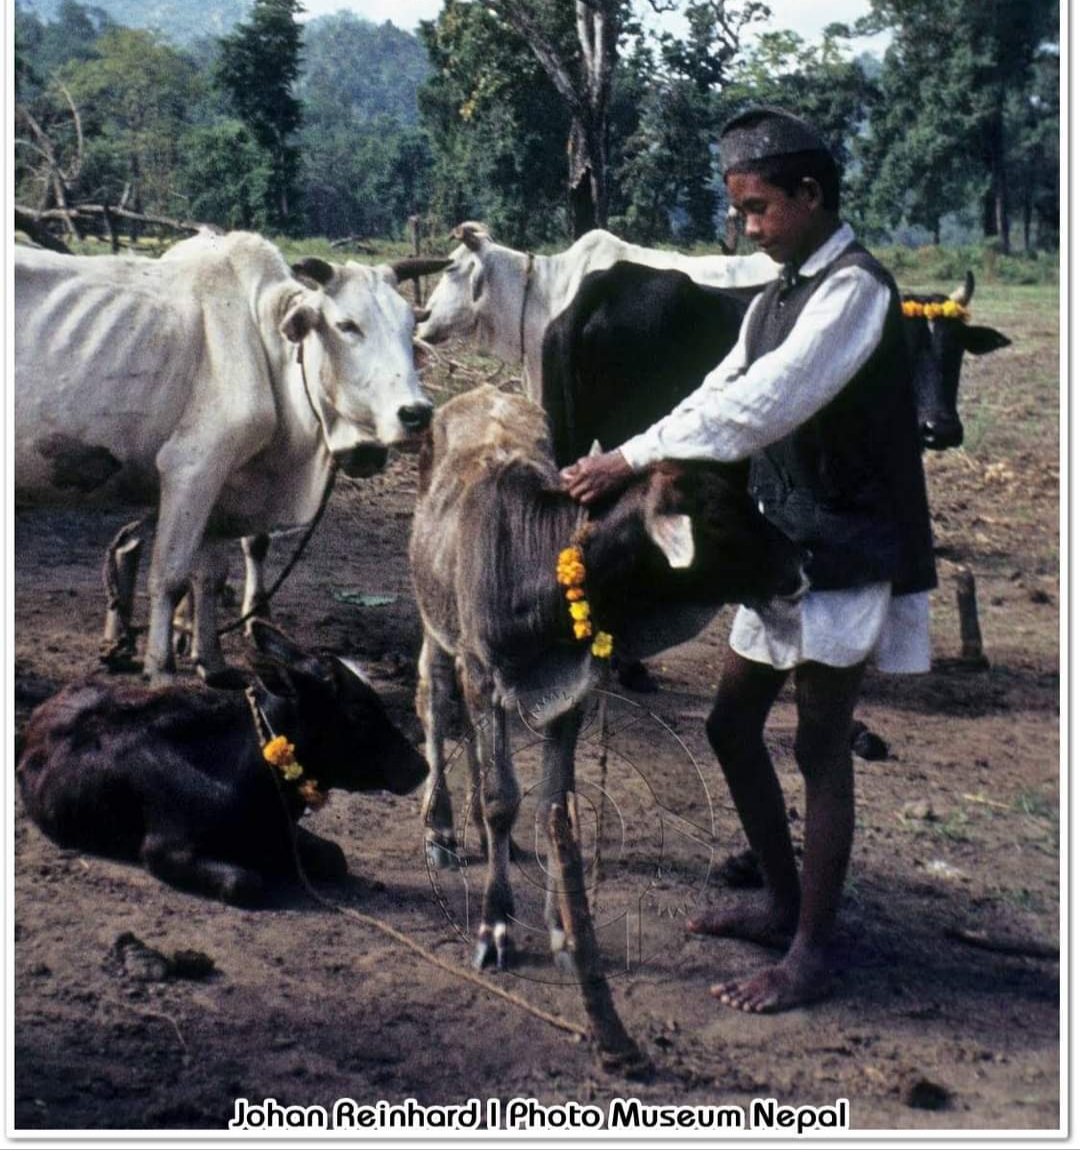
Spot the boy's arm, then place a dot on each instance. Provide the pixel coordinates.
(727, 419)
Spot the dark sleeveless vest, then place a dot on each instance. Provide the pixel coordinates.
(848, 484)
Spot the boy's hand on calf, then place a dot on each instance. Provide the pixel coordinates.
(594, 476)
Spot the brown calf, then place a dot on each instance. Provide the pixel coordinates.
(488, 529)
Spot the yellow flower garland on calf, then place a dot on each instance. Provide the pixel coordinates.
(949, 309)
(281, 754)
(570, 573)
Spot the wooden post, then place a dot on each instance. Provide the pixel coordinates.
(617, 1050)
(110, 227)
(418, 287)
(971, 649)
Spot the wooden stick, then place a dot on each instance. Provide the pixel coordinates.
(1000, 944)
(971, 649)
(617, 1050)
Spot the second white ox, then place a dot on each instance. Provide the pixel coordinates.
(505, 299)
(217, 384)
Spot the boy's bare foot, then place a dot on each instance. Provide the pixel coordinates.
(792, 982)
(765, 925)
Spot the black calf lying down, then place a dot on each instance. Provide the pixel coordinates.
(176, 777)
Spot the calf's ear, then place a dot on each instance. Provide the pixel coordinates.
(980, 340)
(274, 643)
(673, 534)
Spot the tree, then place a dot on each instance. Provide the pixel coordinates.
(669, 172)
(225, 176)
(1033, 129)
(949, 76)
(365, 166)
(356, 70)
(582, 76)
(41, 48)
(257, 70)
(497, 128)
(133, 96)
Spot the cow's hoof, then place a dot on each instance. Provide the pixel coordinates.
(441, 856)
(493, 947)
(121, 662)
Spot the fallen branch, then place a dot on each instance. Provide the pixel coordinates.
(81, 211)
(1002, 944)
(357, 242)
(38, 233)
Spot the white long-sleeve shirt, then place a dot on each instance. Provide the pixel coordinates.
(740, 408)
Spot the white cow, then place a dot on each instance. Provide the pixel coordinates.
(217, 384)
(505, 299)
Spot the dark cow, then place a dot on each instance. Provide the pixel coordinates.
(637, 340)
(936, 345)
(491, 521)
(176, 778)
(634, 342)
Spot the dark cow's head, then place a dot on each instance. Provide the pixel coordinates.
(343, 734)
(712, 544)
(938, 334)
(738, 554)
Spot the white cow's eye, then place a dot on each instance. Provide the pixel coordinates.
(348, 326)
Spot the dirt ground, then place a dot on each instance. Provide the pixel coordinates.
(957, 830)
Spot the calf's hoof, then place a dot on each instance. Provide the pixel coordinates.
(560, 954)
(244, 888)
(442, 854)
(493, 947)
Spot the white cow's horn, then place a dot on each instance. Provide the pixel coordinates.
(413, 266)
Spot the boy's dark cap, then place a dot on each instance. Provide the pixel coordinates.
(765, 131)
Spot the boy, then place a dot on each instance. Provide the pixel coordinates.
(817, 393)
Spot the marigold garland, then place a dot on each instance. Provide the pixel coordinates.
(570, 573)
(949, 309)
(281, 754)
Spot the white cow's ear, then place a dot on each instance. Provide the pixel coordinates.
(673, 534)
(300, 320)
(313, 272)
(473, 235)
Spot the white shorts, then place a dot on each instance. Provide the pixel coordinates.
(839, 629)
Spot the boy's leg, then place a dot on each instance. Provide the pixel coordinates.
(735, 728)
(826, 699)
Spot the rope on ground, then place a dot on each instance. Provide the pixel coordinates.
(467, 975)
(385, 928)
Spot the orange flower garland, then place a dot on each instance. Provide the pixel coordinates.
(281, 755)
(570, 573)
(949, 309)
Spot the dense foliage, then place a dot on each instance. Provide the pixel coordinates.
(342, 127)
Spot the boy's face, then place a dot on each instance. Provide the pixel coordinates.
(787, 228)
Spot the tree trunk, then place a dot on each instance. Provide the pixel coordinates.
(585, 86)
(587, 150)
(998, 178)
